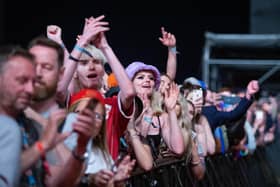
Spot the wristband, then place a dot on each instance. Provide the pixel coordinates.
(173, 49)
(40, 148)
(83, 50)
(45, 163)
(73, 58)
(243, 153)
(195, 163)
(85, 180)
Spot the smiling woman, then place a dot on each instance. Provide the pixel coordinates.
(155, 126)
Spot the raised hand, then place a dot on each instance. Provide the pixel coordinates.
(171, 96)
(167, 38)
(100, 41)
(92, 27)
(87, 21)
(54, 33)
(252, 88)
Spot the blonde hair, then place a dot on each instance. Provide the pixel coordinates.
(185, 124)
(157, 103)
(95, 53)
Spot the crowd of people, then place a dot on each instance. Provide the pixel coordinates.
(79, 118)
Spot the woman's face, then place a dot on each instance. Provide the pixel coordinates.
(191, 111)
(99, 113)
(164, 83)
(144, 83)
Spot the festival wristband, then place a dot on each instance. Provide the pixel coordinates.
(40, 148)
(83, 50)
(173, 49)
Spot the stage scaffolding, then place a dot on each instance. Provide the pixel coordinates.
(239, 57)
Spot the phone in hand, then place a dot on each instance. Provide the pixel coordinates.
(71, 118)
(195, 94)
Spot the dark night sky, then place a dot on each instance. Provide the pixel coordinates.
(135, 26)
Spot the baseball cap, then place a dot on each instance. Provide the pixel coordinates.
(191, 81)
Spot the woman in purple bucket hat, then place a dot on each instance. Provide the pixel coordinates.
(155, 126)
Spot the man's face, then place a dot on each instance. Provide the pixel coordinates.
(90, 72)
(47, 72)
(17, 84)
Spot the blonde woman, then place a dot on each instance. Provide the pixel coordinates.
(146, 80)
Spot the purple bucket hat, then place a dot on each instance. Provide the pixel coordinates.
(135, 67)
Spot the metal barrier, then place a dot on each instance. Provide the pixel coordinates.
(259, 169)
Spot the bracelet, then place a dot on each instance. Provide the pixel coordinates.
(83, 50)
(40, 148)
(133, 136)
(243, 153)
(85, 180)
(195, 163)
(78, 157)
(173, 49)
(73, 58)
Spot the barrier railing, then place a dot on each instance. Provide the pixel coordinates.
(259, 169)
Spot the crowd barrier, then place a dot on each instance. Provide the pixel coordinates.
(260, 169)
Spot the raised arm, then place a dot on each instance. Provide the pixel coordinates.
(92, 27)
(171, 131)
(54, 33)
(242, 106)
(169, 41)
(127, 91)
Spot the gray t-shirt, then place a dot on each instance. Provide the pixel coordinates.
(10, 151)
